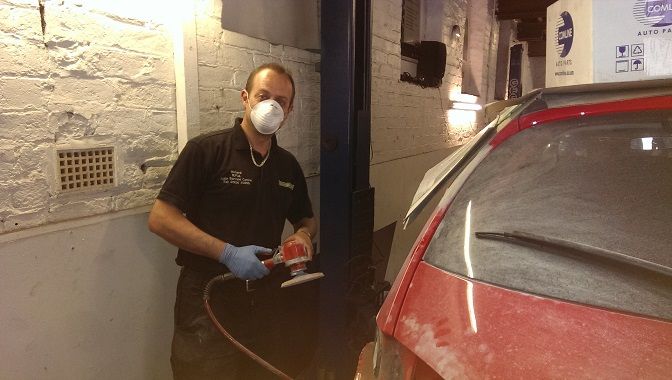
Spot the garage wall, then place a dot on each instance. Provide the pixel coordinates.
(534, 73)
(409, 120)
(481, 52)
(87, 300)
(95, 76)
(102, 74)
(84, 296)
(413, 128)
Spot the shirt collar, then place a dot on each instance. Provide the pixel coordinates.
(240, 140)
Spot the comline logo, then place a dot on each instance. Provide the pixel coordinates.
(564, 32)
(654, 13)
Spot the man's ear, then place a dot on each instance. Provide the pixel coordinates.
(244, 96)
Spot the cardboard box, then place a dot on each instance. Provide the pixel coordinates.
(597, 41)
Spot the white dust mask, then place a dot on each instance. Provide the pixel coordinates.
(267, 116)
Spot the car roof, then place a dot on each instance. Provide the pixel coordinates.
(556, 97)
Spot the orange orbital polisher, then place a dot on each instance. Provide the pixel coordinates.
(295, 256)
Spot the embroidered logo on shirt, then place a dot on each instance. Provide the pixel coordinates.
(236, 178)
(288, 185)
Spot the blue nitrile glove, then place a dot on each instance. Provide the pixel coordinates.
(243, 261)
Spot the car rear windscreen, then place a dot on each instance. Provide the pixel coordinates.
(579, 210)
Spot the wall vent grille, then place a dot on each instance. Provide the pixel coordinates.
(86, 169)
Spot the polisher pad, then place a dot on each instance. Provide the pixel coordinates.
(300, 279)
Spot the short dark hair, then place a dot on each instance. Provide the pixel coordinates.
(279, 69)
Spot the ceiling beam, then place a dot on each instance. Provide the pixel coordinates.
(519, 9)
(531, 30)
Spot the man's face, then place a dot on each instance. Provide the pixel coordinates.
(268, 84)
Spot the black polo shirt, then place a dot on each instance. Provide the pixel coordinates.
(221, 191)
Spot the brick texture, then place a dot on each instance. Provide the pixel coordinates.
(408, 120)
(93, 77)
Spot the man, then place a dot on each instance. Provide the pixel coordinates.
(223, 204)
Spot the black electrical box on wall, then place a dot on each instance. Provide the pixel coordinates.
(431, 63)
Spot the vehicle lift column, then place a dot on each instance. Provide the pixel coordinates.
(346, 198)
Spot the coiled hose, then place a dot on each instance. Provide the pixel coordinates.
(239, 346)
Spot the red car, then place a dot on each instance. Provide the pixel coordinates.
(550, 252)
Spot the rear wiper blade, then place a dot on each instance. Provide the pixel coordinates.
(573, 248)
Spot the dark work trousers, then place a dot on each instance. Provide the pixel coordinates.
(279, 325)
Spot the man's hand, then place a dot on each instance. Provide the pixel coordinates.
(302, 237)
(243, 261)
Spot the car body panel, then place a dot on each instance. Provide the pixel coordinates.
(463, 328)
(484, 331)
(389, 313)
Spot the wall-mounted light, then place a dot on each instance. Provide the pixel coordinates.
(467, 106)
(460, 121)
(456, 96)
(465, 102)
(463, 111)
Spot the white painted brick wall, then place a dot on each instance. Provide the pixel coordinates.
(225, 60)
(408, 120)
(482, 46)
(108, 78)
(491, 78)
(94, 77)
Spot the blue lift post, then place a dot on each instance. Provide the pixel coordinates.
(346, 198)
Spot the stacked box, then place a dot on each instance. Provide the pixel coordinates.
(597, 41)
